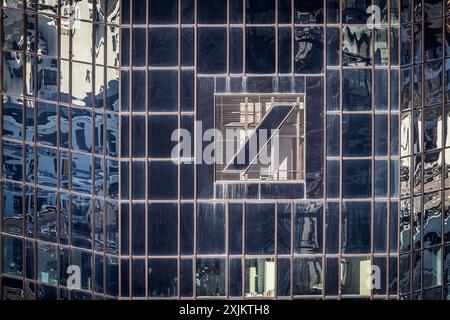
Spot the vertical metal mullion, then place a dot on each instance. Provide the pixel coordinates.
(372, 204)
(388, 205)
(130, 171)
(70, 196)
(147, 163)
(119, 135)
(244, 223)
(92, 153)
(325, 135)
(399, 124)
(179, 39)
(104, 146)
(23, 142)
(1, 147)
(341, 161)
(194, 260)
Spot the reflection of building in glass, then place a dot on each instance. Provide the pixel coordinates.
(354, 194)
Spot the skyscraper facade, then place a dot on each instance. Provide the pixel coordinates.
(127, 161)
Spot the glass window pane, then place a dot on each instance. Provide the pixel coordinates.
(308, 278)
(260, 277)
(162, 278)
(210, 277)
(308, 228)
(162, 222)
(260, 229)
(163, 47)
(211, 228)
(260, 50)
(12, 256)
(356, 227)
(309, 48)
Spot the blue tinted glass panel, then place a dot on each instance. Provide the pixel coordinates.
(212, 46)
(357, 135)
(163, 47)
(356, 180)
(163, 90)
(260, 229)
(260, 11)
(356, 227)
(211, 228)
(162, 222)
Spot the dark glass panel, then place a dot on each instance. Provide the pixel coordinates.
(138, 277)
(284, 228)
(284, 50)
(161, 128)
(162, 278)
(187, 47)
(308, 228)
(260, 229)
(260, 12)
(236, 11)
(162, 184)
(187, 228)
(333, 134)
(235, 227)
(163, 91)
(357, 180)
(382, 81)
(355, 11)
(332, 228)
(212, 11)
(308, 276)
(284, 11)
(138, 229)
(333, 46)
(138, 103)
(308, 11)
(186, 278)
(163, 12)
(260, 49)
(333, 178)
(381, 135)
(433, 39)
(331, 276)
(381, 181)
(236, 50)
(333, 90)
(162, 222)
(163, 47)
(210, 277)
(380, 227)
(309, 50)
(356, 227)
(357, 89)
(82, 222)
(333, 11)
(235, 278)
(357, 135)
(284, 277)
(138, 53)
(211, 228)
